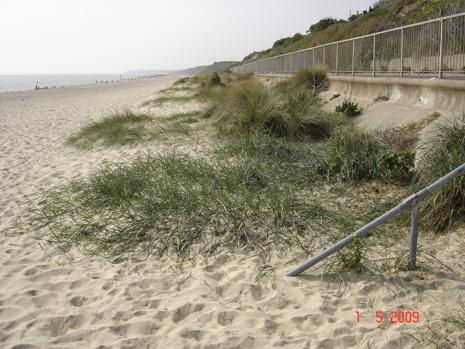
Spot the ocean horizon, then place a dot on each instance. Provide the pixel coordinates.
(15, 83)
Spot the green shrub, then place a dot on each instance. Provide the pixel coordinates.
(281, 42)
(215, 80)
(324, 24)
(445, 153)
(355, 155)
(349, 108)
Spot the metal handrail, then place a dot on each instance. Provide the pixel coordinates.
(413, 201)
(428, 33)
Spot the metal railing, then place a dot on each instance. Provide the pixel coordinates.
(412, 201)
(435, 47)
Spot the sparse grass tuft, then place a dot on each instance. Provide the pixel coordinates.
(350, 258)
(315, 80)
(382, 98)
(126, 128)
(181, 81)
(165, 99)
(445, 153)
(117, 129)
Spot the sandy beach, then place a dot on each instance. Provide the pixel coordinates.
(50, 300)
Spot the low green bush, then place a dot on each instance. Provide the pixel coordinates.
(215, 80)
(349, 108)
(355, 155)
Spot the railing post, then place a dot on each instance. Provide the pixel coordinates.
(412, 257)
(441, 48)
(313, 53)
(374, 55)
(412, 202)
(324, 55)
(337, 58)
(402, 52)
(353, 57)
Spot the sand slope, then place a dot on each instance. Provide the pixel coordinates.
(50, 301)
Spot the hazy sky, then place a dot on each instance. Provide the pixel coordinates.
(113, 36)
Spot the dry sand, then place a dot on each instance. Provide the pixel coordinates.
(49, 301)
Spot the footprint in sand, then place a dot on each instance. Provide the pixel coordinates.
(77, 301)
(186, 310)
(226, 318)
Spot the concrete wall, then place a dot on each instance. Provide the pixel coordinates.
(444, 95)
(402, 102)
(429, 95)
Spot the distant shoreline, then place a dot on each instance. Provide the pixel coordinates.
(22, 83)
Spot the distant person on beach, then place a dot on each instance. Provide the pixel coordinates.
(37, 85)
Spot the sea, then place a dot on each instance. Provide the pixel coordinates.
(13, 83)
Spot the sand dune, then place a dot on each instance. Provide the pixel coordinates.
(48, 300)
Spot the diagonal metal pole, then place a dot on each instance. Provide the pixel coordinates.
(412, 200)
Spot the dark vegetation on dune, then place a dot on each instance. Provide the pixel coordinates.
(260, 188)
(383, 15)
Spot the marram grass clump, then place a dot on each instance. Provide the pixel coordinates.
(253, 194)
(117, 129)
(443, 154)
(126, 128)
(315, 80)
(171, 204)
(250, 107)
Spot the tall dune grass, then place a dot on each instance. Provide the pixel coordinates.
(250, 107)
(126, 128)
(117, 129)
(445, 153)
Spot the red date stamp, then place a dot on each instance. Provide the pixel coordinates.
(393, 317)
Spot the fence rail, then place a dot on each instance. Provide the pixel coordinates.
(413, 202)
(435, 47)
